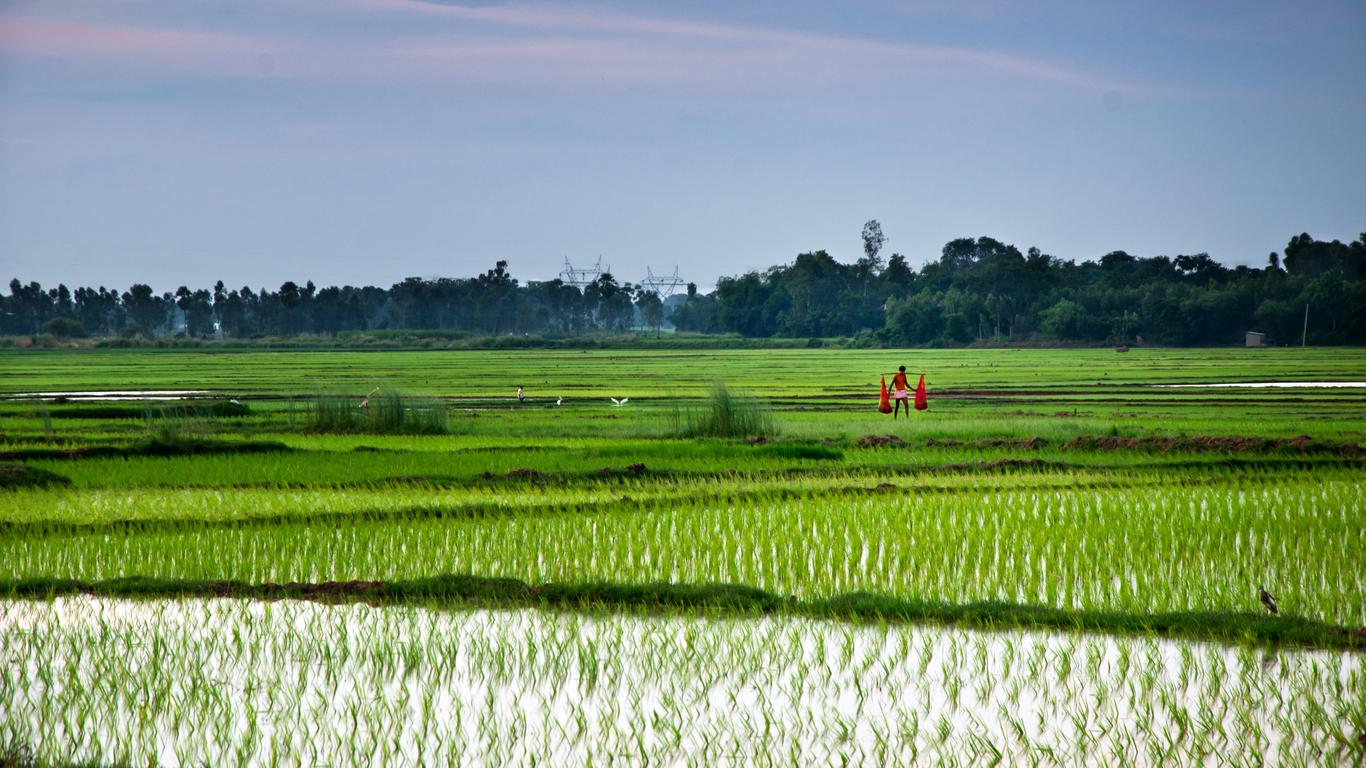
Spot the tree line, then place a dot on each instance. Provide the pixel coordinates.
(493, 303)
(985, 290)
(978, 290)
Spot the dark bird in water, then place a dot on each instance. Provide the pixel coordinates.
(1269, 602)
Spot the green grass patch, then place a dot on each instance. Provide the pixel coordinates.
(217, 409)
(14, 476)
(803, 451)
(162, 446)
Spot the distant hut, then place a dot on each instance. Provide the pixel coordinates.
(1255, 339)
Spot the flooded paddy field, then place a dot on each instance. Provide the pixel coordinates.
(1060, 562)
(297, 683)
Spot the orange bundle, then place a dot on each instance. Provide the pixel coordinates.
(884, 404)
(922, 401)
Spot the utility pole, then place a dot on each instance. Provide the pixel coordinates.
(1304, 332)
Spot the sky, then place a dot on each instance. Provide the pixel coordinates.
(179, 142)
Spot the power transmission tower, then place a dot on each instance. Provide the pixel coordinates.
(581, 278)
(664, 285)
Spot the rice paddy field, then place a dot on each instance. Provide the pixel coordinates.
(219, 557)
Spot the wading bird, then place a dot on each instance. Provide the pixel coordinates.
(1269, 602)
(559, 400)
(618, 403)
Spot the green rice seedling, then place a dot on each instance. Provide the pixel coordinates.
(1028, 546)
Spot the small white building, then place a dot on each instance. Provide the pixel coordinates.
(1255, 339)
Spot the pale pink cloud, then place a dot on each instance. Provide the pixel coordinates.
(429, 57)
(978, 9)
(603, 62)
(537, 44)
(38, 36)
(106, 42)
(796, 43)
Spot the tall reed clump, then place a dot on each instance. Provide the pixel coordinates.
(173, 426)
(49, 433)
(334, 413)
(725, 414)
(384, 412)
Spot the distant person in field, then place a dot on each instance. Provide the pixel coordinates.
(521, 394)
(901, 392)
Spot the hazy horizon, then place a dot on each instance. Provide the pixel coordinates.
(364, 141)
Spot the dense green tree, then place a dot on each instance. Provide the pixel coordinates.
(99, 311)
(611, 304)
(697, 312)
(1305, 256)
(977, 290)
(64, 328)
(27, 307)
(917, 319)
(198, 309)
(145, 308)
(1069, 320)
(898, 276)
(651, 309)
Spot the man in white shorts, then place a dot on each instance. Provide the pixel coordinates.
(901, 392)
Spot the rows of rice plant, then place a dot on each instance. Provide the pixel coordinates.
(656, 373)
(233, 683)
(663, 458)
(1139, 549)
(193, 489)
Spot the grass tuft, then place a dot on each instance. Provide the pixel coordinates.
(386, 412)
(725, 414)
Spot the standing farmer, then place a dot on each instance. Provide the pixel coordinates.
(901, 392)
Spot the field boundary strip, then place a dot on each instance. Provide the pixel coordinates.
(463, 590)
